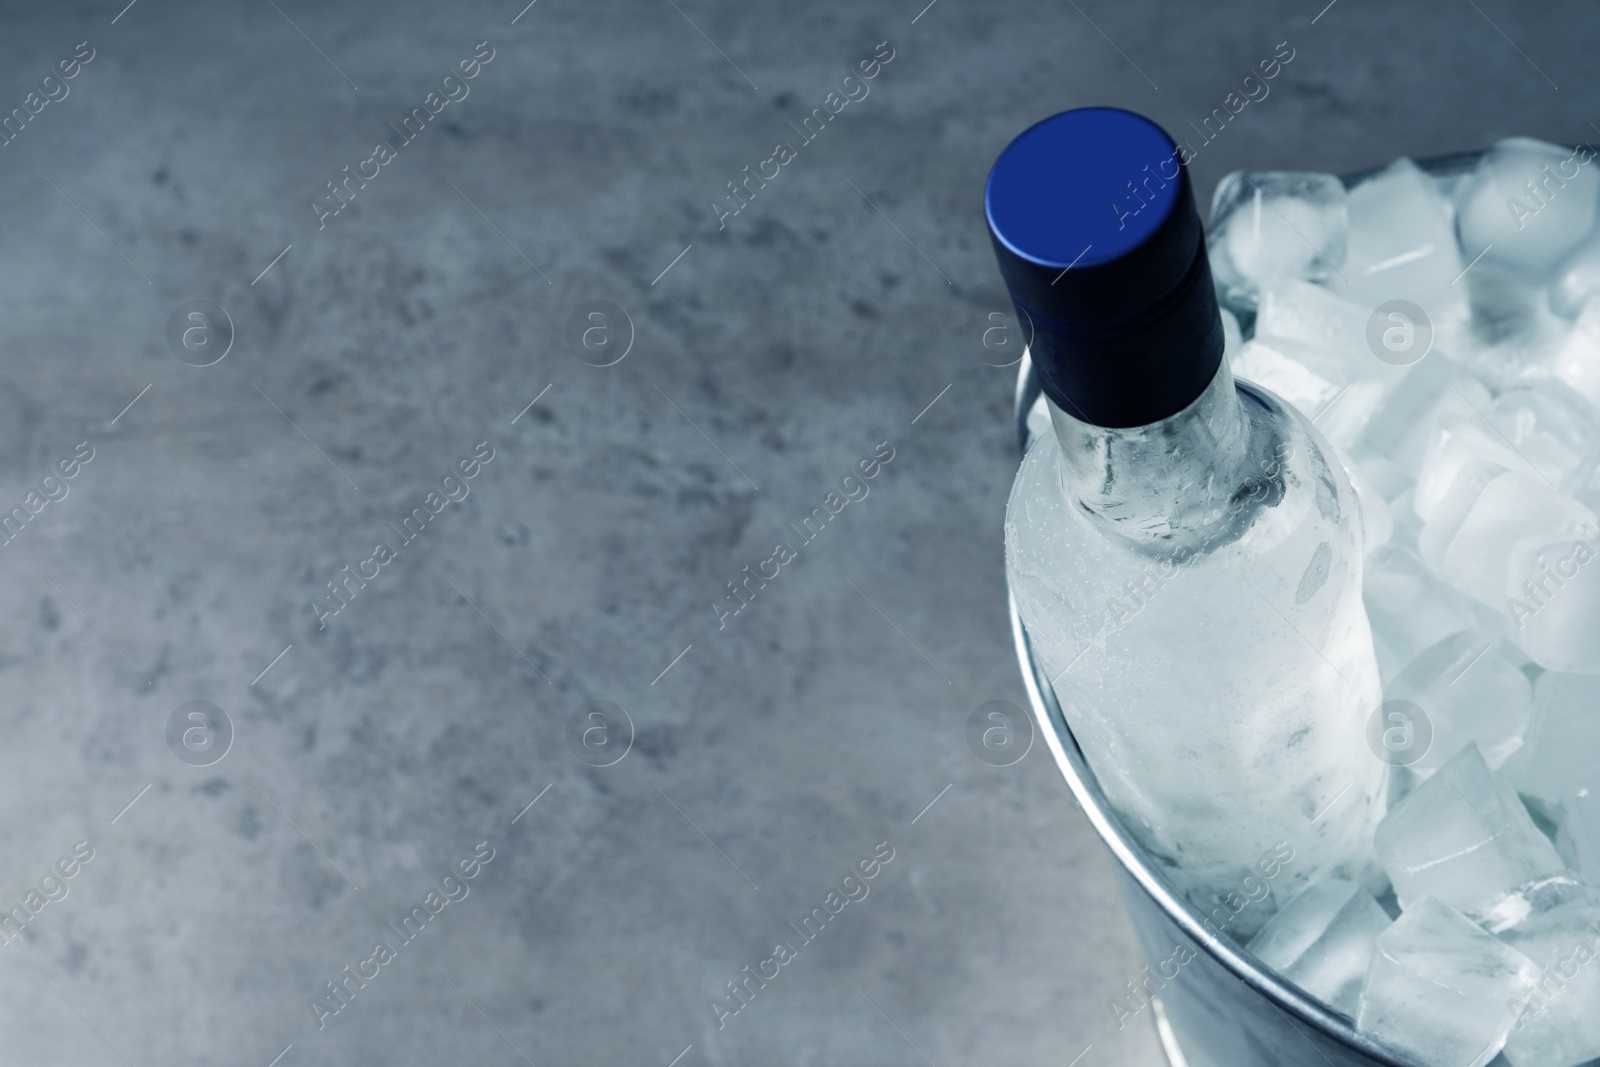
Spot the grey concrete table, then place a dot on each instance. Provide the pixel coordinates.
(209, 882)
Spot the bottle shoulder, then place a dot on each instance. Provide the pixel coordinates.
(1234, 621)
(1291, 489)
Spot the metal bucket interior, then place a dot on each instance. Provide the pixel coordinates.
(1221, 1007)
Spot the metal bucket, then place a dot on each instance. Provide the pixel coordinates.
(1223, 1007)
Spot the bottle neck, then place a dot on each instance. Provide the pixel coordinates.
(1168, 482)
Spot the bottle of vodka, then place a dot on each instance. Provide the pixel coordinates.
(1184, 548)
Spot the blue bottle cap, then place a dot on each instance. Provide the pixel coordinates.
(1094, 225)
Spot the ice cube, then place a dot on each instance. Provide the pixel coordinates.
(1312, 381)
(1323, 941)
(1553, 600)
(1542, 428)
(1343, 419)
(1279, 367)
(1402, 245)
(1562, 743)
(1410, 609)
(1581, 814)
(1331, 330)
(1442, 989)
(1554, 922)
(1510, 351)
(1506, 303)
(1285, 368)
(1471, 693)
(1527, 205)
(1577, 362)
(1577, 279)
(1407, 527)
(1385, 474)
(1377, 524)
(1469, 540)
(1442, 516)
(1435, 389)
(1453, 445)
(1271, 226)
(1464, 837)
(1551, 428)
(1553, 823)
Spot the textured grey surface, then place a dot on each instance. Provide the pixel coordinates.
(380, 750)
